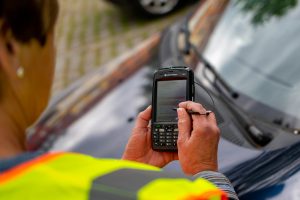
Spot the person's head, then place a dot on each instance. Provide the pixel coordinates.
(27, 57)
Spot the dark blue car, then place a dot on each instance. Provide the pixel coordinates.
(247, 66)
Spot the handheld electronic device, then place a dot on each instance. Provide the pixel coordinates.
(171, 85)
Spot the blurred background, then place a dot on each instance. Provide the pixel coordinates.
(92, 33)
(245, 55)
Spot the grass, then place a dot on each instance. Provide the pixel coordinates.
(81, 67)
(97, 27)
(65, 74)
(97, 57)
(83, 28)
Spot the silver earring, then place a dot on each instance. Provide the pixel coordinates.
(20, 72)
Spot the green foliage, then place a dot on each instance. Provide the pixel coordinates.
(264, 10)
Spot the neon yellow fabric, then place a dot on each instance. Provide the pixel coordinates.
(178, 189)
(70, 176)
(66, 177)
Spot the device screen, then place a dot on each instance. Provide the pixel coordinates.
(169, 94)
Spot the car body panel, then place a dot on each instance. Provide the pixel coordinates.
(236, 49)
(103, 130)
(248, 58)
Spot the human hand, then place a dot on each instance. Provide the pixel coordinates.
(139, 146)
(197, 140)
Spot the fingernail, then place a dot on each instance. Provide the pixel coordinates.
(180, 111)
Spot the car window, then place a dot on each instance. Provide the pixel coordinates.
(258, 55)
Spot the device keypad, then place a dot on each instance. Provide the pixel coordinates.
(165, 136)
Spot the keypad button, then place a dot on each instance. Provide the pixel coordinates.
(165, 136)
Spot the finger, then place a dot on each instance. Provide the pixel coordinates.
(212, 118)
(176, 156)
(189, 105)
(184, 125)
(144, 118)
(208, 126)
(196, 107)
(170, 156)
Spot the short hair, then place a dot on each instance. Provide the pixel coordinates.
(28, 19)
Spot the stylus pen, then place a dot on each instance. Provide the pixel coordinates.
(196, 113)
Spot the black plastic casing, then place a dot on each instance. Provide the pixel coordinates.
(170, 73)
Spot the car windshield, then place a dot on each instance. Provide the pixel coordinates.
(255, 48)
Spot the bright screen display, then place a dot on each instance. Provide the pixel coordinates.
(169, 94)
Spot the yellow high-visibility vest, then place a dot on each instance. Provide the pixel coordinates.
(71, 176)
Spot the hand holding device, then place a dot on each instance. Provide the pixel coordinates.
(139, 145)
(171, 86)
(198, 132)
(197, 140)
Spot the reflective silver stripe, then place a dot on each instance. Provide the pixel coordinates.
(125, 183)
(221, 181)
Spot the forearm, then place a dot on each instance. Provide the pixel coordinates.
(220, 181)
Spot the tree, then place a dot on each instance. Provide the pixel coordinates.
(264, 10)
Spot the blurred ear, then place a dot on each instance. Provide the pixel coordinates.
(9, 49)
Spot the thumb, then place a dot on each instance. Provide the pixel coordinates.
(143, 118)
(184, 125)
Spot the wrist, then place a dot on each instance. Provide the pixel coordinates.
(195, 169)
